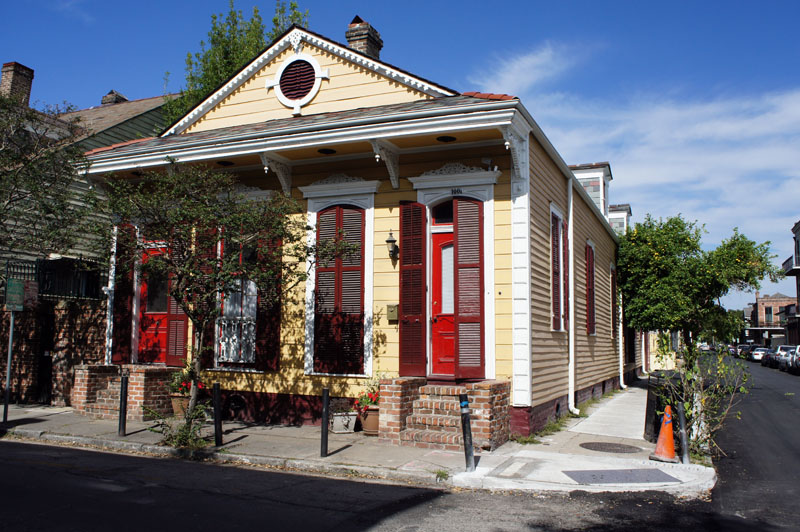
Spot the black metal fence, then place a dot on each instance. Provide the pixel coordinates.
(64, 278)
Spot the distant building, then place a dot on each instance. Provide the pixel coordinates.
(766, 327)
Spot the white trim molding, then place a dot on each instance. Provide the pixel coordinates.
(522, 332)
(294, 39)
(456, 179)
(341, 189)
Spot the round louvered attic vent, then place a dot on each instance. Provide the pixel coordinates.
(297, 80)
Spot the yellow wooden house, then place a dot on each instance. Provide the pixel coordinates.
(486, 268)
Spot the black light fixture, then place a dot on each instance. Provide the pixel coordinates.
(445, 138)
(391, 245)
(326, 151)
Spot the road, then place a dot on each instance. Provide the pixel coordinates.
(67, 489)
(759, 476)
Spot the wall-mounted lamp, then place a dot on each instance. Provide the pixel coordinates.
(391, 245)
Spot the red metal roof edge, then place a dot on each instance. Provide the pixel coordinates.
(117, 145)
(489, 95)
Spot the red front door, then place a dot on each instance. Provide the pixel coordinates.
(162, 324)
(442, 306)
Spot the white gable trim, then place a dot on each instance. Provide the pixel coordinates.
(294, 39)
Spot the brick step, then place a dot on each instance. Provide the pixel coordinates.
(441, 406)
(441, 390)
(432, 439)
(434, 422)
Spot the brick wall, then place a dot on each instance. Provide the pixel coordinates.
(97, 389)
(397, 400)
(48, 342)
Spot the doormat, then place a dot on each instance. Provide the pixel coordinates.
(620, 476)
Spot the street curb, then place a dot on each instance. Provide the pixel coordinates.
(310, 466)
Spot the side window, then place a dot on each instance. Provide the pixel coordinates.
(557, 291)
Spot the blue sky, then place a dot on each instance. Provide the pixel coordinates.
(696, 105)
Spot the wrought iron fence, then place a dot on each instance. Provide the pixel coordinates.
(64, 278)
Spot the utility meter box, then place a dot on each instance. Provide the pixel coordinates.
(392, 312)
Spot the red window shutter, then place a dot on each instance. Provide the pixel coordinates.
(614, 302)
(590, 314)
(413, 316)
(176, 333)
(566, 266)
(123, 296)
(555, 269)
(468, 238)
(268, 320)
(339, 295)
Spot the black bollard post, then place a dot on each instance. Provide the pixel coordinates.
(323, 449)
(123, 404)
(466, 428)
(217, 416)
(684, 438)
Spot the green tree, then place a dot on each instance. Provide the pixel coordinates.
(43, 200)
(233, 41)
(669, 283)
(212, 239)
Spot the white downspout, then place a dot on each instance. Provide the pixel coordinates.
(571, 299)
(109, 290)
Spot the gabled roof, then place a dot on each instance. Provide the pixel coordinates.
(294, 37)
(102, 117)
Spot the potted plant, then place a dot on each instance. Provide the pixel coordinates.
(367, 405)
(343, 421)
(180, 388)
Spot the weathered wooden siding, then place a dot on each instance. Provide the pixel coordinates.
(549, 349)
(349, 87)
(596, 356)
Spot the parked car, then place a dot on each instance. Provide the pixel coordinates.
(773, 358)
(794, 355)
(742, 350)
(783, 355)
(759, 354)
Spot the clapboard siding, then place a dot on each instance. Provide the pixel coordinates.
(596, 357)
(549, 349)
(349, 87)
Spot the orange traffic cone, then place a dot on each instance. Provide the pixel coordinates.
(665, 448)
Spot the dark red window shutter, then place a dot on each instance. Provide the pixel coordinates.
(123, 296)
(614, 302)
(566, 266)
(268, 319)
(413, 316)
(590, 314)
(468, 238)
(555, 269)
(339, 295)
(176, 333)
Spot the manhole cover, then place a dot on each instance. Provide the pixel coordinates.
(603, 447)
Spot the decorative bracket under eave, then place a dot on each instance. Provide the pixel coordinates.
(514, 144)
(283, 170)
(388, 153)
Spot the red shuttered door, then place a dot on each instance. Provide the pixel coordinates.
(555, 269)
(339, 296)
(468, 236)
(412, 291)
(590, 312)
(176, 334)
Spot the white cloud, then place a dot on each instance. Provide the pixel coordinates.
(727, 161)
(74, 9)
(518, 74)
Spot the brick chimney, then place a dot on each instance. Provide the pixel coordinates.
(362, 37)
(112, 97)
(16, 81)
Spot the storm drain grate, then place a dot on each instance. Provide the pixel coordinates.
(620, 476)
(605, 447)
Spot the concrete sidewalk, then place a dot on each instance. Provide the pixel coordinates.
(602, 452)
